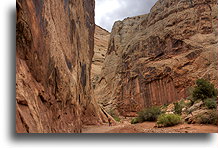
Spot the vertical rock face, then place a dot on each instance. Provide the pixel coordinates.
(100, 48)
(153, 59)
(55, 41)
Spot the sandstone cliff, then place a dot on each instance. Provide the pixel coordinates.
(100, 48)
(153, 59)
(55, 41)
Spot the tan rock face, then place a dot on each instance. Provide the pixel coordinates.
(153, 59)
(55, 42)
(101, 41)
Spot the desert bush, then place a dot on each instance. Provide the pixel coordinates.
(178, 106)
(115, 116)
(149, 114)
(204, 90)
(167, 120)
(135, 120)
(209, 118)
(210, 103)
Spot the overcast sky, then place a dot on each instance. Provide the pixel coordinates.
(109, 11)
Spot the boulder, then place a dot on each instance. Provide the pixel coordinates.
(195, 107)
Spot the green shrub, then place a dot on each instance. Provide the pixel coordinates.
(209, 118)
(167, 120)
(116, 117)
(204, 90)
(149, 114)
(210, 103)
(135, 120)
(178, 106)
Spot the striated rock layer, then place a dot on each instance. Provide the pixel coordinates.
(153, 59)
(55, 41)
(101, 40)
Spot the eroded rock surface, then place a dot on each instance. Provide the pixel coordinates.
(100, 48)
(153, 59)
(55, 42)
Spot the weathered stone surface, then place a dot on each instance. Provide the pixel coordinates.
(55, 41)
(153, 59)
(100, 48)
(200, 115)
(195, 107)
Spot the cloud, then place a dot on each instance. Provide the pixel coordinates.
(109, 11)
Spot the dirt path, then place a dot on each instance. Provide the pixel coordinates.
(100, 129)
(104, 128)
(148, 127)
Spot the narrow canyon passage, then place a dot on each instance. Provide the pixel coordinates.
(154, 60)
(71, 73)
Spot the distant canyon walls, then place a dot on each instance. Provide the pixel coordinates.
(55, 42)
(101, 39)
(154, 59)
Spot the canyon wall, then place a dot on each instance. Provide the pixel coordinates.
(55, 42)
(101, 39)
(154, 59)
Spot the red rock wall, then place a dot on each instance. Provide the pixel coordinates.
(136, 95)
(153, 59)
(55, 41)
